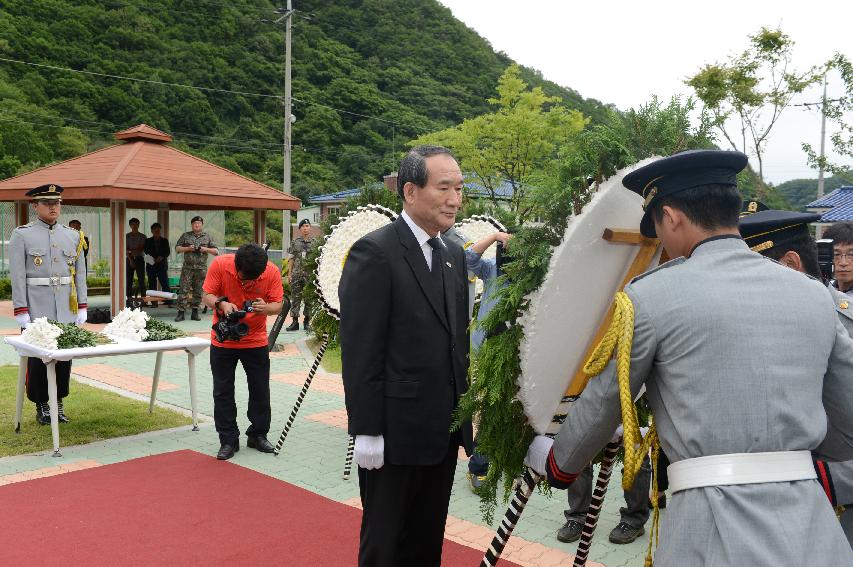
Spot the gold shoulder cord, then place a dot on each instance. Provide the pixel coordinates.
(72, 299)
(619, 338)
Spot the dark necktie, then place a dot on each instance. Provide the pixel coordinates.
(436, 271)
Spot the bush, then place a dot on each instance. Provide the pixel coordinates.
(5, 288)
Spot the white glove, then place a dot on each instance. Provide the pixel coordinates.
(81, 317)
(23, 320)
(617, 435)
(537, 453)
(369, 451)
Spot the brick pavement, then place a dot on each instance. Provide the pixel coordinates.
(314, 453)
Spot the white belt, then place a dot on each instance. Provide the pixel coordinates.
(740, 468)
(55, 280)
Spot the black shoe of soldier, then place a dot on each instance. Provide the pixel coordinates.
(293, 326)
(625, 533)
(571, 531)
(260, 443)
(194, 315)
(60, 413)
(43, 413)
(179, 317)
(226, 451)
(307, 327)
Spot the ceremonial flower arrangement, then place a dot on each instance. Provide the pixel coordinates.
(129, 325)
(51, 335)
(333, 252)
(42, 333)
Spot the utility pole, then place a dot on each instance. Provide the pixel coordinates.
(287, 16)
(819, 229)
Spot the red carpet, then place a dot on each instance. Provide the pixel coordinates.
(177, 509)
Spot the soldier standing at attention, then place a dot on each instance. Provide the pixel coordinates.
(47, 267)
(297, 274)
(739, 402)
(195, 245)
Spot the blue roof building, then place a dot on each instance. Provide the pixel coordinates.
(837, 206)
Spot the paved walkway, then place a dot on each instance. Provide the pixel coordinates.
(313, 455)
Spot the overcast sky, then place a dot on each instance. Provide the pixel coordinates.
(623, 52)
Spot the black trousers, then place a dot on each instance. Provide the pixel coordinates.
(158, 272)
(405, 509)
(137, 266)
(37, 379)
(223, 364)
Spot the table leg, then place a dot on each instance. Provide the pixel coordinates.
(155, 381)
(54, 407)
(19, 400)
(193, 393)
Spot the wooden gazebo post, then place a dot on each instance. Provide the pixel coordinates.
(118, 220)
(260, 226)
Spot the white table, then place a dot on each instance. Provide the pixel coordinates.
(192, 346)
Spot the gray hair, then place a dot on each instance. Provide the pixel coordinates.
(413, 167)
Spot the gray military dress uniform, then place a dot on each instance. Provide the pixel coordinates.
(40, 260)
(724, 374)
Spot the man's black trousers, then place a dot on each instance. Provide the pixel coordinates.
(405, 510)
(37, 379)
(223, 364)
(137, 266)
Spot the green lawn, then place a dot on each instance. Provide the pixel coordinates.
(331, 358)
(95, 415)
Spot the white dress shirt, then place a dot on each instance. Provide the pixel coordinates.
(422, 237)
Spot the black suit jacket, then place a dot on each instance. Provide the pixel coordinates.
(405, 358)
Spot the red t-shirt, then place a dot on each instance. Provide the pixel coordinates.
(222, 280)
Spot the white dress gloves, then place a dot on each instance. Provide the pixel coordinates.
(537, 453)
(369, 451)
(23, 319)
(81, 317)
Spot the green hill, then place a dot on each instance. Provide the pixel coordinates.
(799, 192)
(367, 77)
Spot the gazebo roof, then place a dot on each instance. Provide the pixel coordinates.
(145, 171)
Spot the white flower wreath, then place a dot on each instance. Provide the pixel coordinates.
(129, 325)
(336, 245)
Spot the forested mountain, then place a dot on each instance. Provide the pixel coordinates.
(800, 192)
(368, 76)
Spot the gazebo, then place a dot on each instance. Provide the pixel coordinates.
(144, 172)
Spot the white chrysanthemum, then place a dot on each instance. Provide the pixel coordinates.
(42, 333)
(336, 246)
(128, 324)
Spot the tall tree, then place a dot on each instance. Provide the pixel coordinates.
(512, 144)
(837, 111)
(746, 95)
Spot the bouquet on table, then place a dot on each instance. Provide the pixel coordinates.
(135, 325)
(51, 335)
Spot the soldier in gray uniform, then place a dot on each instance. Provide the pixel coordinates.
(297, 274)
(48, 272)
(738, 401)
(195, 245)
(784, 237)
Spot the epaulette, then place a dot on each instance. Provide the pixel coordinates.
(29, 224)
(663, 266)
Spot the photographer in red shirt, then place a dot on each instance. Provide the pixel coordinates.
(243, 289)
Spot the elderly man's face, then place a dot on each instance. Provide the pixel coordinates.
(433, 207)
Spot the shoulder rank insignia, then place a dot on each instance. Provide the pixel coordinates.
(843, 305)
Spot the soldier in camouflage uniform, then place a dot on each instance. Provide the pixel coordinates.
(298, 274)
(48, 273)
(195, 245)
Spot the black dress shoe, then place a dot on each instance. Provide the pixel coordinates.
(261, 444)
(293, 326)
(60, 413)
(194, 315)
(226, 451)
(179, 317)
(43, 413)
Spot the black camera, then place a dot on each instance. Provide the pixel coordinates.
(231, 327)
(825, 253)
(197, 248)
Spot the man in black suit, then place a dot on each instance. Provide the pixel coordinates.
(404, 345)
